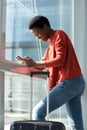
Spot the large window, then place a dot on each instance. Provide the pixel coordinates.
(19, 41)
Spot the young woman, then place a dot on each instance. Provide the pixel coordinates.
(66, 80)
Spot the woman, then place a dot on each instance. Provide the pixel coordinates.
(66, 81)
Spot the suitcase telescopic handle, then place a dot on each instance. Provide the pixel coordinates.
(32, 73)
(39, 72)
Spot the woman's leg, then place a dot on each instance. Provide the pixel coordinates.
(74, 113)
(57, 97)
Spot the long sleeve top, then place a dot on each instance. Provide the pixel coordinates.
(60, 59)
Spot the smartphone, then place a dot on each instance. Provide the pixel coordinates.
(19, 58)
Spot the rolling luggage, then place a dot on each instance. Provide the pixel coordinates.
(36, 124)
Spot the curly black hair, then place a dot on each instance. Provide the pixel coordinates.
(38, 21)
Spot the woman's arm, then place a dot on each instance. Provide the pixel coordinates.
(29, 62)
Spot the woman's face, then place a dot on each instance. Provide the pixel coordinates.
(41, 33)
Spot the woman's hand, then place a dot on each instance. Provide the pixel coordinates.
(29, 62)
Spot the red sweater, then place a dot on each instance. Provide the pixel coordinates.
(60, 59)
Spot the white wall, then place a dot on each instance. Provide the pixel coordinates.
(1, 77)
(80, 44)
(2, 32)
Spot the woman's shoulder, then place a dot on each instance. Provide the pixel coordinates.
(61, 32)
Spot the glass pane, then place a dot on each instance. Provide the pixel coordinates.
(17, 96)
(19, 41)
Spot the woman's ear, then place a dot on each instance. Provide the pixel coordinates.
(45, 25)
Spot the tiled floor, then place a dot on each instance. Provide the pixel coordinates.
(9, 118)
(7, 127)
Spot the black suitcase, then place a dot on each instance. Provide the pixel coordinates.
(37, 125)
(33, 124)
